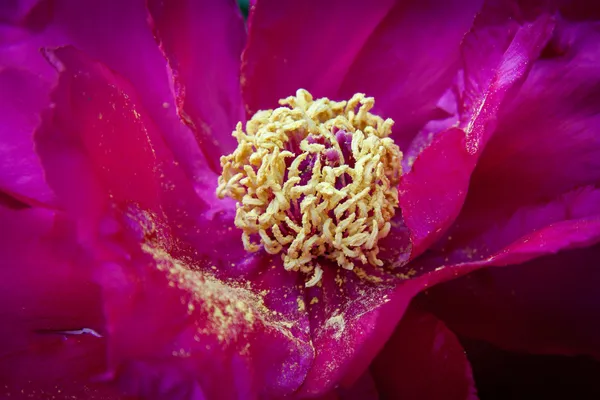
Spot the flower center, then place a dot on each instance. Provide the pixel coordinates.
(314, 178)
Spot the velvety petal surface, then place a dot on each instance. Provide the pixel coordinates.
(51, 309)
(309, 44)
(547, 141)
(432, 193)
(548, 305)
(402, 53)
(22, 96)
(423, 360)
(409, 61)
(169, 265)
(117, 33)
(203, 42)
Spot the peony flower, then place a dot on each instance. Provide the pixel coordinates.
(142, 256)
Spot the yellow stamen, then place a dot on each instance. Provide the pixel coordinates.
(314, 178)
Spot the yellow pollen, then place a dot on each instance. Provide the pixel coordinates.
(314, 178)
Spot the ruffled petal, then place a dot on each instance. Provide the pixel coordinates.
(217, 315)
(548, 138)
(409, 61)
(203, 41)
(423, 360)
(427, 210)
(304, 44)
(546, 306)
(100, 136)
(108, 31)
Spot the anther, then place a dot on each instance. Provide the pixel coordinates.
(314, 178)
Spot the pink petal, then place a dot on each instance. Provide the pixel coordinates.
(428, 210)
(203, 41)
(423, 360)
(547, 306)
(570, 222)
(304, 44)
(410, 59)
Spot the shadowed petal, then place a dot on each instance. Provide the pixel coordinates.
(22, 97)
(427, 210)
(547, 306)
(50, 307)
(203, 41)
(548, 136)
(423, 360)
(501, 374)
(304, 44)
(410, 60)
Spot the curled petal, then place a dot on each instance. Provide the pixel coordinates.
(547, 141)
(428, 211)
(107, 31)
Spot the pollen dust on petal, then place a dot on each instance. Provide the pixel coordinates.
(226, 309)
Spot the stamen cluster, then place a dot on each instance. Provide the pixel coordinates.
(314, 178)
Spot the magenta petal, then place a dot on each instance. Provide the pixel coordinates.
(155, 243)
(117, 33)
(203, 41)
(50, 307)
(100, 136)
(548, 136)
(410, 59)
(423, 360)
(350, 322)
(570, 221)
(22, 98)
(307, 44)
(572, 216)
(549, 305)
(427, 210)
(432, 193)
(218, 338)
